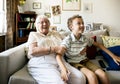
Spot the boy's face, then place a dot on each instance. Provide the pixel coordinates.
(77, 25)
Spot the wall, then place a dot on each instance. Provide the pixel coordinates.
(103, 11)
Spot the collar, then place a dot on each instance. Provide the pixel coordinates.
(74, 39)
(49, 33)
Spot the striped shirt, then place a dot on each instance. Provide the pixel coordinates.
(74, 47)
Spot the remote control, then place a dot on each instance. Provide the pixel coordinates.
(102, 63)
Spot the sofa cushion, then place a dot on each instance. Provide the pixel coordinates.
(97, 33)
(110, 41)
(22, 77)
(111, 64)
(114, 76)
(91, 50)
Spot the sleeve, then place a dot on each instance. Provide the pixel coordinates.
(31, 38)
(66, 42)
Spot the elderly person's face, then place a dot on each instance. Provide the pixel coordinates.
(43, 25)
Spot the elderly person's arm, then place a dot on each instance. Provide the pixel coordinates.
(34, 50)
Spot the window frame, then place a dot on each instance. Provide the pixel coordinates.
(3, 24)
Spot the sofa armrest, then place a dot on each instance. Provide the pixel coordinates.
(11, 60)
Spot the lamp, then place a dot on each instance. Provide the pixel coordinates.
(22, 2)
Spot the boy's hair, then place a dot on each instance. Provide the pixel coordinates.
(69, 22)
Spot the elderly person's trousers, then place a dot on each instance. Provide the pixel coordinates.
(45, 70)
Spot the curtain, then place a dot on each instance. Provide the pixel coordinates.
(2, 17)
(2, 22)
(11, 6)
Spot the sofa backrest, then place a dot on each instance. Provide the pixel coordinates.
(11, 60)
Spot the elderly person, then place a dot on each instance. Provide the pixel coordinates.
(43, 47)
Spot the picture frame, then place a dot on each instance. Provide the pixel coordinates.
(56, 19)
(56, 10)
(47, 14)
(88, 27)
(87, 7)
(71, 5)
(36, 5)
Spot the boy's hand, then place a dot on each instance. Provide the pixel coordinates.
(83, 51)
(117, 59)
(65, 74)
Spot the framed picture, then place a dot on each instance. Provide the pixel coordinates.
(56, 10)
(36, 5)
(88, 27)
(71, 5)
(47, 14)
(87, 7)
(56, 19)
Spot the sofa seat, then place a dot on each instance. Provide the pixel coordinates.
(114, 76)
(13, 68)
(22, 77)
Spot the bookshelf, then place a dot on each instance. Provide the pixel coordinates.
(24, 25)
(2, 42)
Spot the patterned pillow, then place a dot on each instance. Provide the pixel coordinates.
(110, 41)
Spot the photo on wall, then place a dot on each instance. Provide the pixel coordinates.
(56, 10)
(88, 27)
(47, 14)
(87, 7)
(36, 5)
(71, 5)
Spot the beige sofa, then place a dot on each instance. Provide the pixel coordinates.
(13, 68)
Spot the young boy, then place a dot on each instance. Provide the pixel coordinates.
(75, 45)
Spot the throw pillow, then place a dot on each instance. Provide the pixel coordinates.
(110, 41)
(111, 64)
(97, 33)
(92, 50)
(114, 33)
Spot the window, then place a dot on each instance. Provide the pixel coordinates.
(3, 16)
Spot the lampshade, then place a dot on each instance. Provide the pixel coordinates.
(22, 2)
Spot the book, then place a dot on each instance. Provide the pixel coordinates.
(28, 26)
(21, 33)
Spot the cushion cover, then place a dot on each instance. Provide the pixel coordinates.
(97, 33)
(22, 77)
(111, 64)
(110, 41)
(92, 50)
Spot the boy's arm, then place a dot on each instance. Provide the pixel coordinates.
(62, 66)
(64, 71)
(114, 57)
